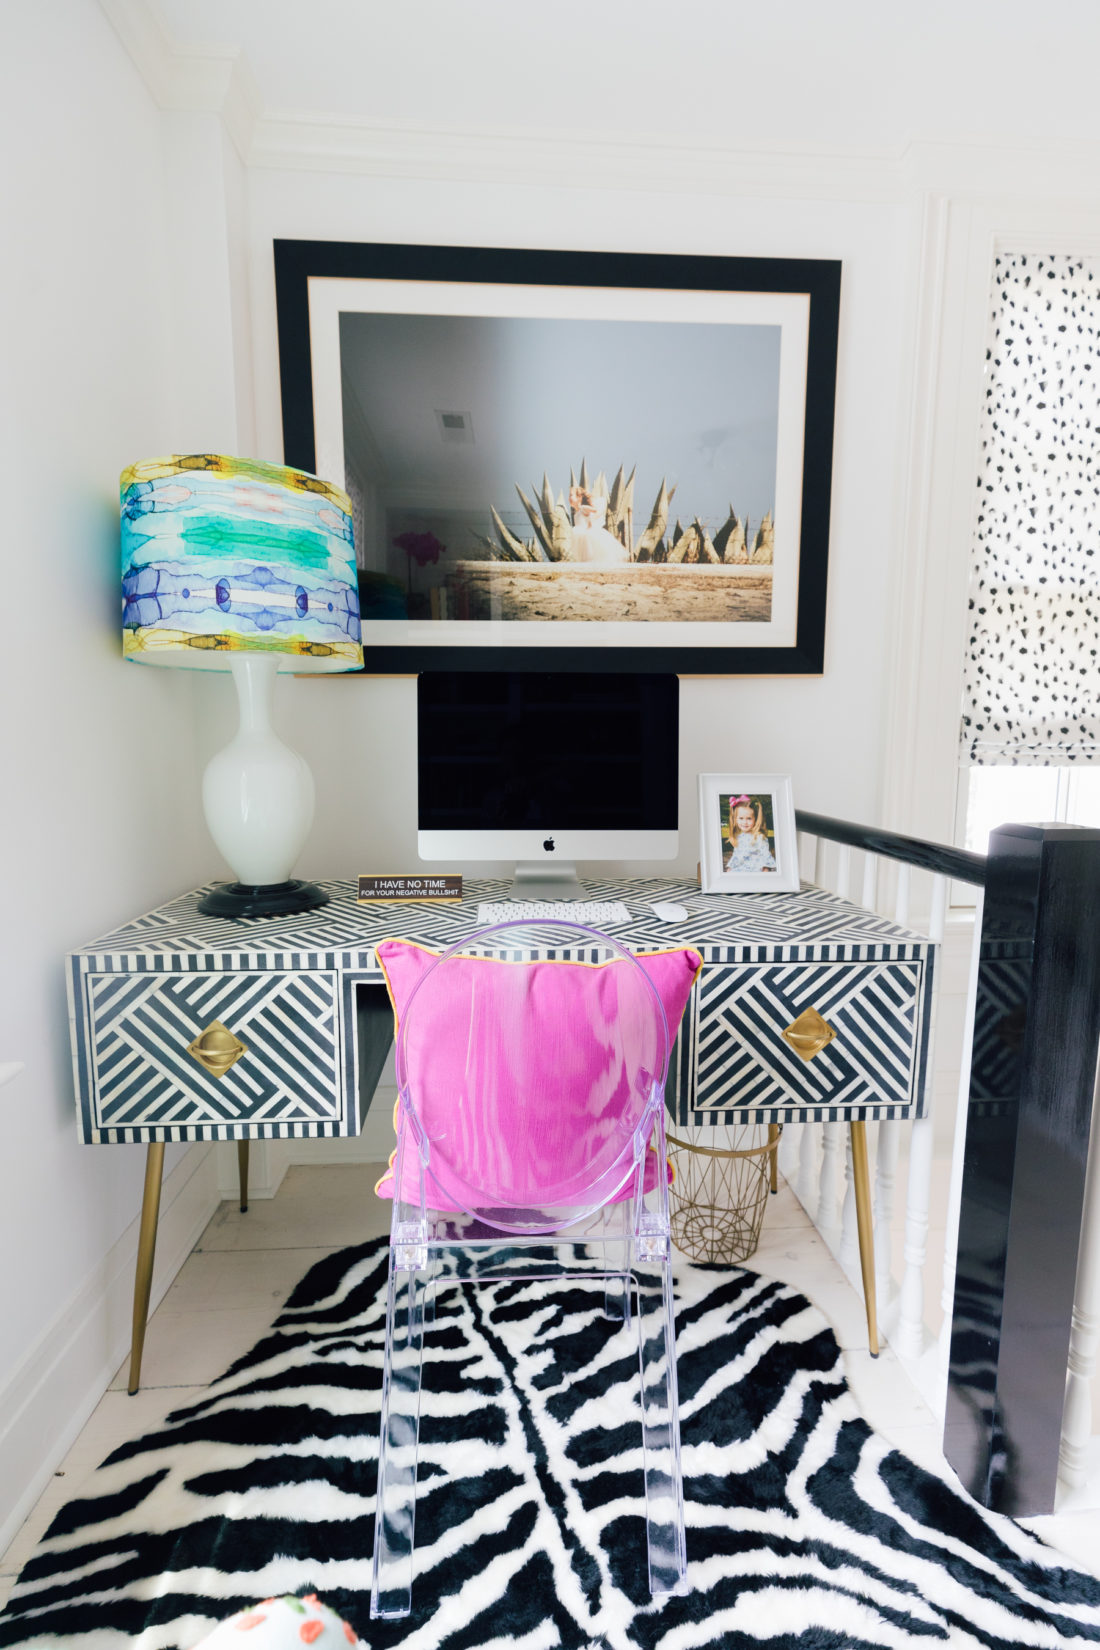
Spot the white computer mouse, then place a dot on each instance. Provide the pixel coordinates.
(669, 911)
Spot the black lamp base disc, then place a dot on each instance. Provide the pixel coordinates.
(273, 899)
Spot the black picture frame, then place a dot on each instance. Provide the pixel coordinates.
(818, 280)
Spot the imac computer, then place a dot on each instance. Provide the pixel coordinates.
(547, 768)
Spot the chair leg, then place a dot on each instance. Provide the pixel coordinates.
(617, 1300)
(664, 1490)
(861, 1182)
(399, 1429)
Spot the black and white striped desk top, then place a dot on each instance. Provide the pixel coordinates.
(810, 925)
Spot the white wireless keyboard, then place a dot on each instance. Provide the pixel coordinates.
(593, 913)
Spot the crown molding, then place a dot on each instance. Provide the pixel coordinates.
(577, 160)
(1054, 178)
(218, 80)
(213, 80)
(1051, 176)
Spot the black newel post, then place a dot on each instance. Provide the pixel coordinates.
(1036, 1031)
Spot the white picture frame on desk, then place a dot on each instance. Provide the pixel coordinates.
(747, 840)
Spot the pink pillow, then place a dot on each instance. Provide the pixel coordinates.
(520, 1110)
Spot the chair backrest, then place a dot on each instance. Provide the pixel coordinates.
(531, 1083)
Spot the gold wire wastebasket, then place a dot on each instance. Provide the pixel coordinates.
(720, 1189)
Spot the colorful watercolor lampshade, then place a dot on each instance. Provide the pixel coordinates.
(230, 564)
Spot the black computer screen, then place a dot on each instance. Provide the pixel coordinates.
(500, 750)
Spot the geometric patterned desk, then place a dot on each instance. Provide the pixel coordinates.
(304, 996)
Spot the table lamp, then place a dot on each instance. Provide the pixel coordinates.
(231, 564)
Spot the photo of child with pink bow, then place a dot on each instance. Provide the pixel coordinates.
(747, 833)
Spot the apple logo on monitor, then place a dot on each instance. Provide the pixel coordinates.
(549, 845)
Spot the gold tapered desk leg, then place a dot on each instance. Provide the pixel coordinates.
(242, 1173)
(861, 1181)
(147, 1248)
(774, 1131)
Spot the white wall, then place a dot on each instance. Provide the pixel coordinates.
(827, 731)
(100, 798)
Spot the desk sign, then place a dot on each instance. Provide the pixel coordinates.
(409, 888)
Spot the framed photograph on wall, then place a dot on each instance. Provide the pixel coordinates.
(570, 460)
(747, 841)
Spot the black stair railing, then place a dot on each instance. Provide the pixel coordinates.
(1035, 1041)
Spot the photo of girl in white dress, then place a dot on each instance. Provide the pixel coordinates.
(591, 540)
(750, 831)
(748, 838)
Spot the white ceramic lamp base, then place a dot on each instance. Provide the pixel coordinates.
(258, 798)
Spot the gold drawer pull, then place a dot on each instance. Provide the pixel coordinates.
(216, 1049)
(808, 1035)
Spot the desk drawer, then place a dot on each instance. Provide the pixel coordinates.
(287, 1082)
(733, 1057)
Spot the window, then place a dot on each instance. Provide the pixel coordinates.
(992, 796)
(1031, 699)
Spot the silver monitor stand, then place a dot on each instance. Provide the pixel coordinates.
(538, 881)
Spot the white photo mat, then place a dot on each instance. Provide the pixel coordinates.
(330, 297)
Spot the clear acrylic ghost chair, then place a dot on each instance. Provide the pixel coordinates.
(530, 1143)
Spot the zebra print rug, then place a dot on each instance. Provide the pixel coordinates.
(804, 1527)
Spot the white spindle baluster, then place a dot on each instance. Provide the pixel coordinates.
(849, 1233)
(1084, 1334)
(937, 922)
(901, 896)
(828, 1189)
(958, 1144)
(787, 1153)
(870, 881)
(807, 851)
(807, 1165)
(843, 870)
(819, 861)
(910, 1329)
(886, 1168)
